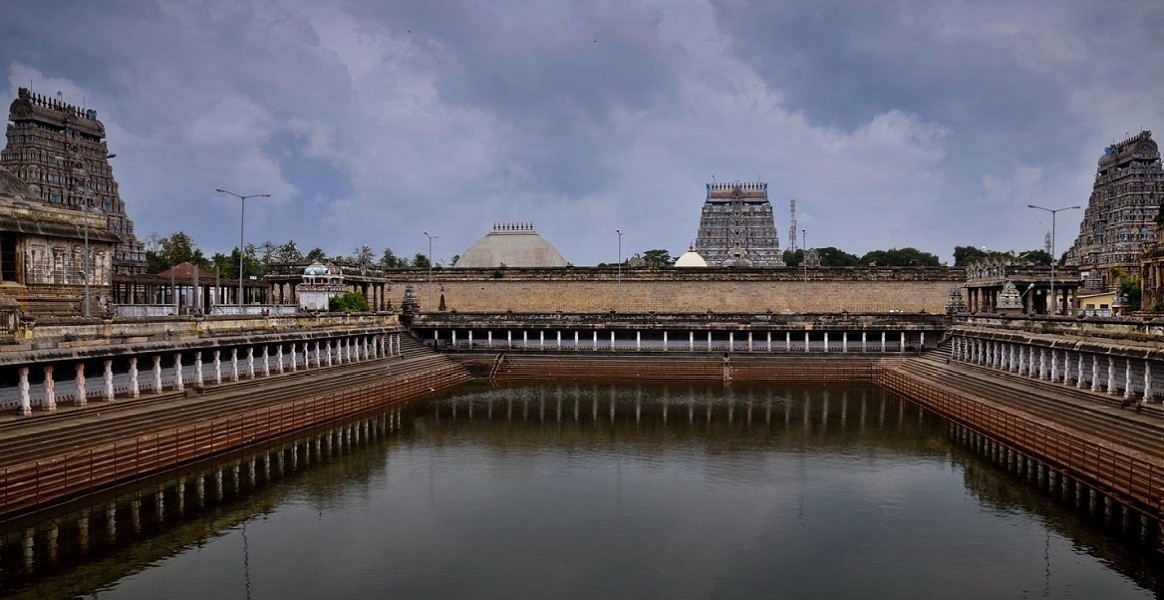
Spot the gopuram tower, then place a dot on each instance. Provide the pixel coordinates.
(737, 227)
(59, 151)
(1120, 216)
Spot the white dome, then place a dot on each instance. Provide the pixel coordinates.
(511, 245)
(691, 258)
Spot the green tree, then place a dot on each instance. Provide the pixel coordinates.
(172, 250)
(289, 252)
(900, 257)
(1035, 257)
(348, 302)
(657, 258)
(829, 257)
(420, 261)
(389, 260)
(316, 254)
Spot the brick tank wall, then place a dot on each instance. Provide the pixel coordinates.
(676, 290)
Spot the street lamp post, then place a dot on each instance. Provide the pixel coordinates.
(241, 222)
(430, 239)
(618, 280)
(1053, 211)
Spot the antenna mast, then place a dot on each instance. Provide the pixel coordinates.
(792, 226)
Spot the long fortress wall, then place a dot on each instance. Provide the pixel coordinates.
(603, 289)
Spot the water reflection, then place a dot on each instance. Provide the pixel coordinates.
(587, 490)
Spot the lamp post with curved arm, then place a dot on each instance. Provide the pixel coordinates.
(1054, 301)
(241, 222)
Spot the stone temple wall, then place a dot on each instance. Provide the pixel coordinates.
(828, 290)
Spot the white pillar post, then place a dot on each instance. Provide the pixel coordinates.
(489, 339)
(454, 338)
(612, 339)
(250, 362)
(1054, 365)
(25, 399)
(294, 359)
(903, 341)
(1111, 387)
(769, 341)
(198, 380)
(709, 340)
(234, 364)
(731, 341)
(109, 380)
(788, 341)
(327, 348)
(82, 393)
(865, 342)
(882, 341)
(1094, 373)
(157, 373)
(1079, 370)
(1147, 381)
(279, 358)
(1128, 385)
(806, 340)
(134, 388)
(664, 340)
(217, 366)
(50, 389)
(179, 381)
(638, 340)
(509, 338)
(267, 360)
(845, 342)
(826, 341)
(318, 358)
(691, 341)
(595, 342)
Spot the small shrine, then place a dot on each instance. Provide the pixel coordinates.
(320, 284)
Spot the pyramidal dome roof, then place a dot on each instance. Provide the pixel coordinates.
(511, 245)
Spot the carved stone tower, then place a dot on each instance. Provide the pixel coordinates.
(737, 227)
(1120, 216)
(59, 150)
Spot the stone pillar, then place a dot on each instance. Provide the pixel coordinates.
(82, 393)
(806, 340)
(489, 338)
(134, 388)
(1147, 380)
(691, 341)
(306, 355)
(541, 340)
(279, 358)
(250, 362)
(234, 364)
(1079, 371)
(1066, 367)
(575, 339)
(595, 339)
(1094, 373)
(1111, 387)
(109, 380)
(769, 341)
(198, 378)
(921, 344)
(318, 356)
(638, 340)
(50, 388)
(25, 399)
(664, 340)
(903, 341)
(327, 348)
(179, 381)
(525, 339)
(509, 339)
(157, 373)
(826, 341)
(731, 341)
(845, 342)
(788, 341)
(294, 359)
(882, 341)
(1054, 365)
(267, 360)
(367, 347)
(217, 366)
(1128, 385)
(453, 338)
(1042, 363)
(612, 339)
(865, 342)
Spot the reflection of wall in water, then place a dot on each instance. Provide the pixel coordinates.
(172, 513)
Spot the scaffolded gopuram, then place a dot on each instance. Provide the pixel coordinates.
(737, 227)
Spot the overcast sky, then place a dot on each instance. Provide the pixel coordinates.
(898, 124)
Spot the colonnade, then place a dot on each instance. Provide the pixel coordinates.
(1109, 373)
(166, 369)
(685, 340)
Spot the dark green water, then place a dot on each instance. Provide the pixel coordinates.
(591, 491)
